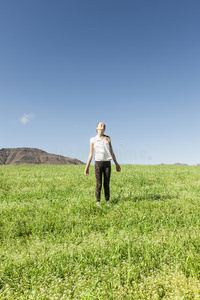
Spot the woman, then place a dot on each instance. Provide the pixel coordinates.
(103, 156)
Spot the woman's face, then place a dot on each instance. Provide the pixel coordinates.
(101, 126)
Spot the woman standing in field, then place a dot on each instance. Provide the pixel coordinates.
(103, 155)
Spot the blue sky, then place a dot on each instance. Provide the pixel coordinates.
(135, 65)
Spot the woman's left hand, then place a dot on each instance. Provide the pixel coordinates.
(118, 168)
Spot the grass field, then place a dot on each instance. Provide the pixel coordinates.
(56, 244)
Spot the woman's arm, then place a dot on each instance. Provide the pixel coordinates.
(118, 168)
(86, 172)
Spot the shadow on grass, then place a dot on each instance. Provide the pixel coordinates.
(137, 198)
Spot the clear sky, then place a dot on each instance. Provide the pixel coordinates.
(133, 64)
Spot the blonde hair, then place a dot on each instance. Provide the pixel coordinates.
(107, 138)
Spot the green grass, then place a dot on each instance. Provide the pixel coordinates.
(56, 244)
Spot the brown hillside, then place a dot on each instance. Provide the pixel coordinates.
(33, 156)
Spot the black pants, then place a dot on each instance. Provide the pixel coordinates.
(102, 168)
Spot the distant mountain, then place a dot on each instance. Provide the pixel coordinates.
(33, 156)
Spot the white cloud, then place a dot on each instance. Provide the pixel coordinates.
(26, 118)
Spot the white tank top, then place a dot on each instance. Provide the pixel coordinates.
(102, 148)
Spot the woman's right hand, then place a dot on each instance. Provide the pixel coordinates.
(86, 172)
